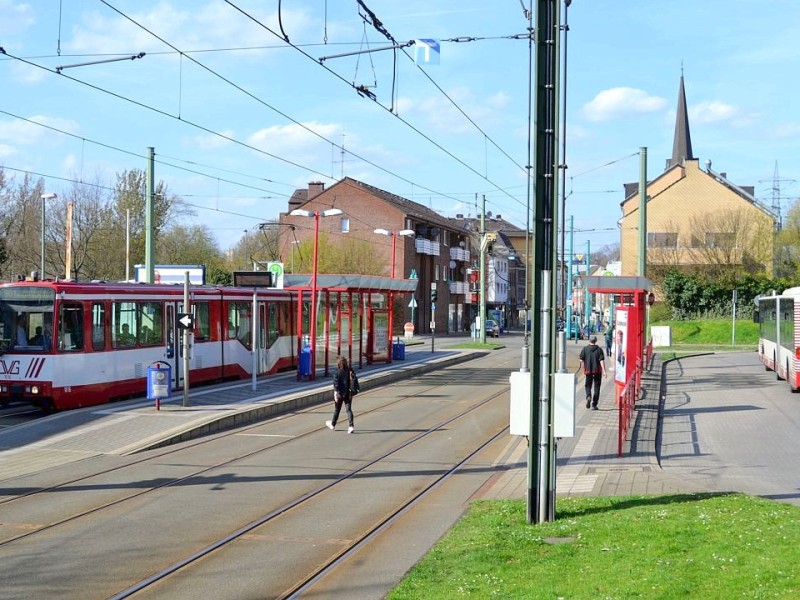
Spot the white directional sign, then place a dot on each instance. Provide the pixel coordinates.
(185, 321)
(426, 52)
(413, 303)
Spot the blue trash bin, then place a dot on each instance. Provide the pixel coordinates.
(304, 365)
(159, 382)
(398, 351)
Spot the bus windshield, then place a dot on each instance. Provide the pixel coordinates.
(26, 318)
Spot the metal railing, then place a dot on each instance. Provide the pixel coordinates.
(631, 393)
(627, 403)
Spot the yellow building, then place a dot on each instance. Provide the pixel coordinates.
(696, 219)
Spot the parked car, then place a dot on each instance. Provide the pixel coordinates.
(492, 328)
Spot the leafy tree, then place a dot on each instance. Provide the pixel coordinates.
(695, 296)
(189, 245)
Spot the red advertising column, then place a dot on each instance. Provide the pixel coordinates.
(620, 349)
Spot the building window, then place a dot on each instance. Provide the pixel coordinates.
(662, 240)
(720, 240)
(345, 224)
(436, 273)
(446, 238)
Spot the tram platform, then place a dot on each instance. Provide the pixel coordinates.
(587, 464)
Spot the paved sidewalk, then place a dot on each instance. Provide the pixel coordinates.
(588, 464)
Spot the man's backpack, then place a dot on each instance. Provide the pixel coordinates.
(354, 386)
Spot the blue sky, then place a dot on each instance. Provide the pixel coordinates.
(239, 119)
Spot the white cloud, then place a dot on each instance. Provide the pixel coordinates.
(15, 17)
(7, 151)
(212, 25)
(712, 112)
(443, 116)
(616, 103)
(296, 143)
(25, 133)
(212, 142)
(787, 130)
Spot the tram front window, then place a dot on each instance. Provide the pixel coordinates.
(26, 318)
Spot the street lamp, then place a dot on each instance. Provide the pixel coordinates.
(48, 196)
(298, 212)
(394, 235)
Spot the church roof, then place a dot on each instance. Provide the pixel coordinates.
(682, 142)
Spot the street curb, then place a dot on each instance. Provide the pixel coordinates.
(297, 401)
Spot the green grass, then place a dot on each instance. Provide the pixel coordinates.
(712, 334)
(477, 345)
(686, 546)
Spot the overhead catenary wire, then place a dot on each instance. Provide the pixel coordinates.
(374, 99)
(183, 53)
(259, 100)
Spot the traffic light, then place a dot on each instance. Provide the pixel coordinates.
(434, 296)
(490, 240)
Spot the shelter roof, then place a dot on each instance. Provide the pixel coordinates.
(598, 284)
(349, 283)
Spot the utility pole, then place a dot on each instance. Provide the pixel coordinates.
(643, 211)
(149, 243)
(587, 295)
(568, 324)
(482, 318)
(541, 459)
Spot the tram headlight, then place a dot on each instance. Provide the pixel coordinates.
(34, 389)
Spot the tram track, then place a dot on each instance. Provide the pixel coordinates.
(443, 406)
(173, 451)
(319, 571)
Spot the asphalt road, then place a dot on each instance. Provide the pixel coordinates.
(729, 425)
(108, 523)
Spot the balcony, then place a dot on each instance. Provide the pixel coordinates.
(427, 247)
(459, 287)
(459, 254)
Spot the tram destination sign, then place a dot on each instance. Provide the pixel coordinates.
(253, 279)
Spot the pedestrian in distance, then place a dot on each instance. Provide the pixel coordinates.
(345, 383)
(592, 361)
(609, 335)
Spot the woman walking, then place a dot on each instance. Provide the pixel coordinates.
(342, 381)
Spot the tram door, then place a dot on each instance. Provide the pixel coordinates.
(174, 348)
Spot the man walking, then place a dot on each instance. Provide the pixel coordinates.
(593, 365)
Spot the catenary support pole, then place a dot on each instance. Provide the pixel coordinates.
(149, 216)
(186, 340)
(642, 271)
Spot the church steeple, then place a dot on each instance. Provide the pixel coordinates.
(682, 143)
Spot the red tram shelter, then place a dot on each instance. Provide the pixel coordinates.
(631, 298)
(356, 314)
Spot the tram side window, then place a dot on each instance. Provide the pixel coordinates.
(98, 326)
(202, 322)
(70, 327)
(273, 324)
(151, 324)
(239, 322)
(123, 324)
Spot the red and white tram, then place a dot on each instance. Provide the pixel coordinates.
(70, 344)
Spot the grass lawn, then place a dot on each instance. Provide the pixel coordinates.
(685, 546)
(712, 334)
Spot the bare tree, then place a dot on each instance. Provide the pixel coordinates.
(20, 225)
(730, 241)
